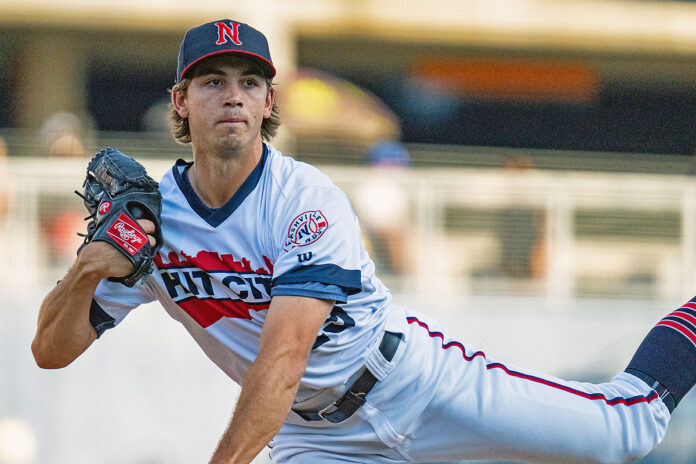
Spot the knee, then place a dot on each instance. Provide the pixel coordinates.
(628, 449)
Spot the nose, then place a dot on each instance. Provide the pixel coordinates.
(233, 95)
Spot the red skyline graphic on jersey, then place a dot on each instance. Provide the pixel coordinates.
(211, 261)
(206, 309)
(208, 312)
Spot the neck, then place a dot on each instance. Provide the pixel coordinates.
(216, 177)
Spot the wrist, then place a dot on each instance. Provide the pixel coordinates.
(90, 266)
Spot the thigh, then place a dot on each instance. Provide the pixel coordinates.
(352, 441)
(483, 409)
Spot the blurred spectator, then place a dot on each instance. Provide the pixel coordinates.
(156, 117)
(521, 232)
(62, 135)
(384, 207)
(61, 231)
(389, 154)
(6, 197)
(5, 184)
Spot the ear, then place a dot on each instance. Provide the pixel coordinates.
(268, 107)
(179, 102)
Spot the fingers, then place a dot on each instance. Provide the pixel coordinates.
(149, 228)
(147, 225)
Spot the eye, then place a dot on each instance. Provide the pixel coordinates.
(214, 82)
(250, 83)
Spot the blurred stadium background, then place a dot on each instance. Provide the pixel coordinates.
(522, 169)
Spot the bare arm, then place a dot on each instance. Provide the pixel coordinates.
(271, 383)
(63, 331)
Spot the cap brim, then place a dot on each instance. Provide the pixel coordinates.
(267, 66)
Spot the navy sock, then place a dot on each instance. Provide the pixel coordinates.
(666, 359)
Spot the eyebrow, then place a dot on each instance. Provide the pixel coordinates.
(209, 71)
(252, 72)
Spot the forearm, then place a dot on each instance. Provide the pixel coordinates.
(271, 383)
(63, 331)
(267, 394)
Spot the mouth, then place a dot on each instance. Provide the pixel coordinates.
(232, 121)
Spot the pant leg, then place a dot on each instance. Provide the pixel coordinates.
(445, 402)
(482, 409)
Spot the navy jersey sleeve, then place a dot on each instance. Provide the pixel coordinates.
(113, 301)
(319, 241)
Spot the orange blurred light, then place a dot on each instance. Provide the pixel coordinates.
(511, 80)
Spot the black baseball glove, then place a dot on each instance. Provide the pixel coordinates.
(117, 192)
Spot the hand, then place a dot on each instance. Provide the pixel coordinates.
(106, 261)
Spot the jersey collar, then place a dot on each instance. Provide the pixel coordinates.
(216, 216)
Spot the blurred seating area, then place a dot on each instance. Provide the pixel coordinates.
(549, 78)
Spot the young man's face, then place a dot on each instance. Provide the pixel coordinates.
(226, 103)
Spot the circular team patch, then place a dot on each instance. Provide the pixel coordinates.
(305, 229)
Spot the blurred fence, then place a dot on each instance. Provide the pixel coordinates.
(552, 234)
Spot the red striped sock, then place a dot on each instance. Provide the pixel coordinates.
(666, 359)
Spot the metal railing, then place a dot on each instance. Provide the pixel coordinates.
(330, 151)
(436, 231)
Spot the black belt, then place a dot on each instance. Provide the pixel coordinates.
(345, 406)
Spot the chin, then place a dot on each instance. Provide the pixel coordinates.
(230, 144)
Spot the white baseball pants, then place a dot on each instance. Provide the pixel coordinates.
(439, 400)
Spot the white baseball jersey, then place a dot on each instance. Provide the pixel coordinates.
(288, 230)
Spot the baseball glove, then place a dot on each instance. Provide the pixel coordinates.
(117, 192)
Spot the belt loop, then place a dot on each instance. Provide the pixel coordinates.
(379, 362)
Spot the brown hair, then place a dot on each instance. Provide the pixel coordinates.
(181, 131)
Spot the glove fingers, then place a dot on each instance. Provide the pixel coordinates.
(108, 167)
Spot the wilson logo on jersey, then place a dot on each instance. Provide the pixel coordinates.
(306, 228)
(210, 286)
(127, 234)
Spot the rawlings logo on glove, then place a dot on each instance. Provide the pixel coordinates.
(118, 192)
(127, 234)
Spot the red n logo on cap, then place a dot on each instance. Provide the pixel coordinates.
(225, 32)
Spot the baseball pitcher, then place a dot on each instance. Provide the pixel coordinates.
(260, 258)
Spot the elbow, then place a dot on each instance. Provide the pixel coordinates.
(297, 364)
(295, 373)
(638, 446)
(293, 368)
(46, 358)
(292, 372)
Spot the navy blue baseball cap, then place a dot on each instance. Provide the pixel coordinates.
(223, 36)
